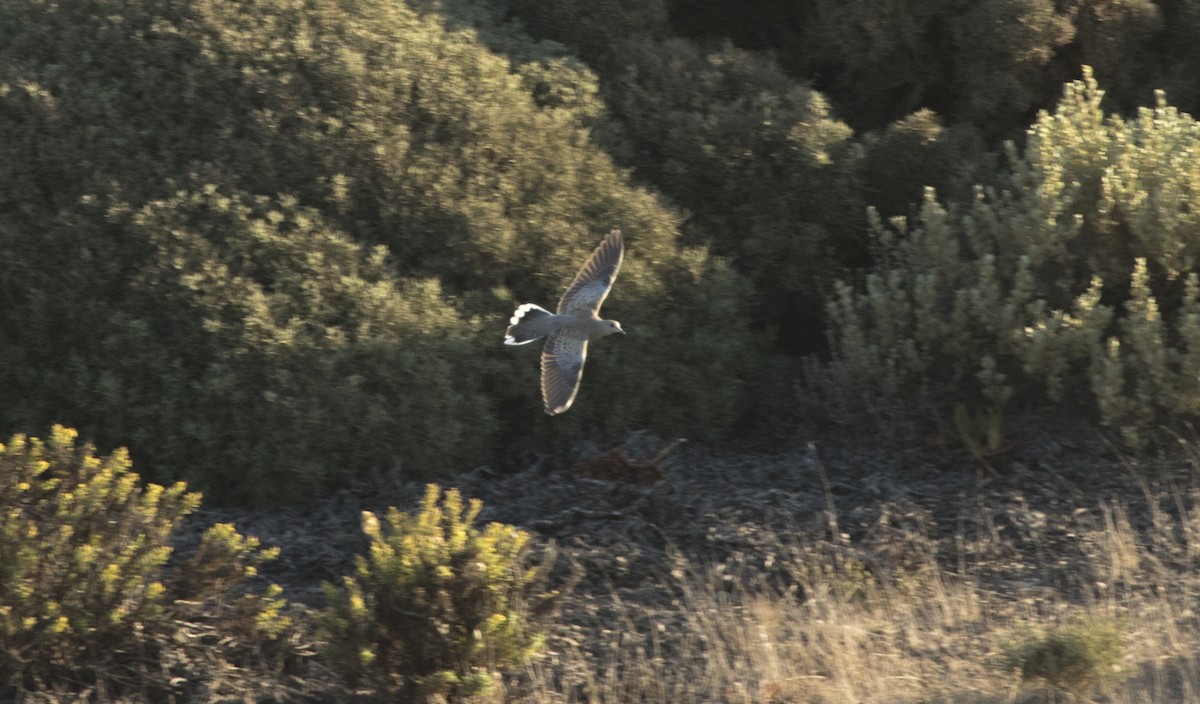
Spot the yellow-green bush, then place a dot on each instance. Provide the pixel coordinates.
(1073, 659)
(86, 601)
(437, 606)
(1076, 277)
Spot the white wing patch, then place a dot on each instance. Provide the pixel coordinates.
(522, 310)
(525, 313)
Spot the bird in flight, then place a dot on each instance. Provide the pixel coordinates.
(569, 330)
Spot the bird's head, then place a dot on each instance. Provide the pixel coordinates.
(612, 326)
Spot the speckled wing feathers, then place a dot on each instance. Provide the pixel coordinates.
(593, 282)
(562, 368)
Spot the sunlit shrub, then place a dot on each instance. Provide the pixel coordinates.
(1077, 276)
(85, 599)
(438, 605)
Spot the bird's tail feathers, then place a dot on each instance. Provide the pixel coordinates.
(526, 324)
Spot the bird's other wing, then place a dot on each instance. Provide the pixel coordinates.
(595, 279)
(562, 368)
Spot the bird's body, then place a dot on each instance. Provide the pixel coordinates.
(569, 330)
(534, 322)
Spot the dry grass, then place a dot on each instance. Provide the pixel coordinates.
(877, 603)
(829, 621)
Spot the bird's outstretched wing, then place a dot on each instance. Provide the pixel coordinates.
(595, 279)
(562, 368)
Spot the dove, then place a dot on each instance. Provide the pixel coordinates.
(572, 326)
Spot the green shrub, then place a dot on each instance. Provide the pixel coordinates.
(592, 29)
(272, 246)
(1076, 277)
(985, 66)
(985, 63)
(301, 352)
(920, 151)
(85, 600)
(1182, 50)
(1124, 41)
(1072, 659)
(437, 606)
(769, 175)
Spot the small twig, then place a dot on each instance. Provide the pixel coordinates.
(663, 452)
(830, 509)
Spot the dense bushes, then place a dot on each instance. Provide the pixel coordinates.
(266, 246)
(270, 246)
(768, 176)
(85, 601)
(988, 65)
(981, 63)
(249, 347)
(1076, 277)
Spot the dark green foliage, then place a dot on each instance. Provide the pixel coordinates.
(1181, 52)
(251, 349)
(1122, 41)
(767, 174)
(986, 64)
(438, 605)
(732, 139)
(981, 62)
(595, 29)
(84, 598)
(271, 245)
(917, 152)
